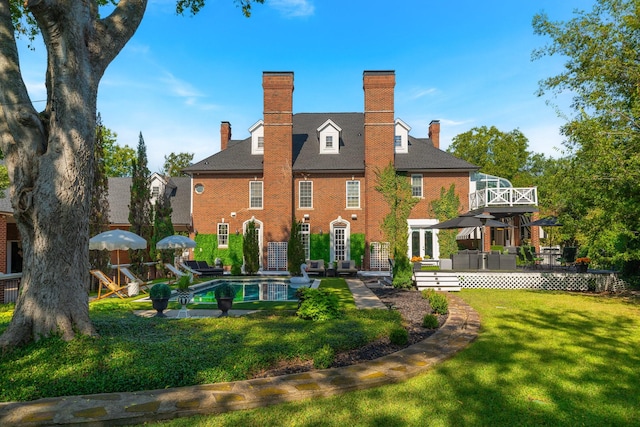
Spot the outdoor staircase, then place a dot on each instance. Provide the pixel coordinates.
(437, 280)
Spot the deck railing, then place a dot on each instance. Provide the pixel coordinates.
(502, 196)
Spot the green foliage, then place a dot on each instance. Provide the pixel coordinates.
(340, 289)
(438, 302)
(160, 290)
(99, 208)
(207, 250)
(317, 304)
(184, 282)
(162, 227)
(323, 358)
(402, 273)
(430, 321)
(498, 153)
(174, 163)
(251, 250)
(358, 247)
(194, 6)
(597, 192)
(396, 191)
(445, 208)
(399, 336)
(140, 205)
(118, 161)
(319, 246)
(225, 290)
(295, 249)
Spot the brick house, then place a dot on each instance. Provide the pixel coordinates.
(319, 168)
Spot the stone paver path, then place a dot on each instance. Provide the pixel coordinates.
(460, 329)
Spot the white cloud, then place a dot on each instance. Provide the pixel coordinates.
(417, 93)
(293, 8)
(179, 87)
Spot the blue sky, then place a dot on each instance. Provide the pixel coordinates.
(466, 63)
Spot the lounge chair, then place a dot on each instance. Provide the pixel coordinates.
(347, 268)
(190, 270)
(110, 286)
(143, 285)
(176, 273)
(316, 266)
(204, 269)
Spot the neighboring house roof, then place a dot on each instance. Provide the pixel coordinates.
(120, 197)
(237, 156)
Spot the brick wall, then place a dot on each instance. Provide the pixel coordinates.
(278, 135)
(3, 244)
(379, 130)
(431, 185)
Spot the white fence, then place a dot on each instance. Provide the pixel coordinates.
(598, 282)
(503, 197)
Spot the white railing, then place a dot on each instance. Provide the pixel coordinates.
(503, 197)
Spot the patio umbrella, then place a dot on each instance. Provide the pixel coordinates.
(468, 221)
(176, 242)
(117, 240)
(550, 221)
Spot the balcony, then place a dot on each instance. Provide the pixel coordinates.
(503, 196)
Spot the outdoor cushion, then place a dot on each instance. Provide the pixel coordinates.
(314, 264)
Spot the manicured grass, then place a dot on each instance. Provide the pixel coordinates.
(542, 358)
(137, 353)
(340, 288)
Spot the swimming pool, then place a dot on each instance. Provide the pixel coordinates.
(256, 289)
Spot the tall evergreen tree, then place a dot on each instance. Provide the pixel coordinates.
(162, 227)
(251, 249)
(140, 205)
(295, 249)
(99, 208)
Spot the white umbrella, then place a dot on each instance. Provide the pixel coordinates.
(176, 242)
(116, 240)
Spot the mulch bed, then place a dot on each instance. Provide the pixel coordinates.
(412, 307)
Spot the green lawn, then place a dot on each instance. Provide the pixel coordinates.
(137, 353)
(542, 358)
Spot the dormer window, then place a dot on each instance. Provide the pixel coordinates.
(329, 137)
(257, 137)
(401, 138)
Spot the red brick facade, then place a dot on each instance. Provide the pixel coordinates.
(225, 195)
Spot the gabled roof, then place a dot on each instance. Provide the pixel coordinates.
(422, 155)
(120, 197)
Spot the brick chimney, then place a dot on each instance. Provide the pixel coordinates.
(278, 154)
(434, 132)
(379, 132)
(225, 135)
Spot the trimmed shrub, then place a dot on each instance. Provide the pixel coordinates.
(317, 304)
(399, 336)
(324, 357)
(439, 303)
(426, 293)
(430, 321)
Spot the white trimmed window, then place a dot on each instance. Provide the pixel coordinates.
(305, 196)
(401, 139)
(305, 229)
(255, 194)
(353, 194)
(261, 142)
(416, 185)
(329, 137)
(223, 235)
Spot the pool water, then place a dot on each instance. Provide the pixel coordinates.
(254, 290)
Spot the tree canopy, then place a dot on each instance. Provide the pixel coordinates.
(174, 163)
(599, 186)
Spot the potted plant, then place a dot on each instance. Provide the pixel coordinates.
(582, 264)
(225, 293)
(159, 296)
(184, 293)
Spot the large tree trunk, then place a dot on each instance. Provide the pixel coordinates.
(49, 157)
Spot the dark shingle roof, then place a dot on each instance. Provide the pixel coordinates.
(120, 197)
(306, 150)
(423, 156)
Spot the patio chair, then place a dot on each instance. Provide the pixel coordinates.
(315, 266)
(176, 273)
(530, 258)
(143, 285)
(347, 268)
(568, 256)
(188, 269)
(110, 286)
